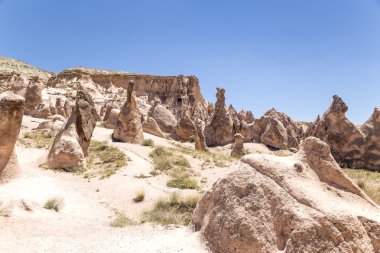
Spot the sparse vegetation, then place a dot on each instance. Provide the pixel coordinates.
(38, 138)
(148, 142)
(209, 158)
(175, 210)
(183, 183)
(368, 181)
(55, 204)
(5, 210)
(139, 196)
(169, 161)
(121, 220)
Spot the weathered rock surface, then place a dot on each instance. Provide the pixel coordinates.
(185, 129)
(112, 118)
(177, 92)
(345, 140)
(71, 142)
(128, 126)
(301, 203)
(55, 123)
(200, 142)
(246, 116)
(219, 129)
(164, 118)
(275, 129)
(150, 126)
(238, 146)
(11, 112)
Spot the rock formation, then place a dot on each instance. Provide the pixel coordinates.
(345, 140)
(55, 123)
(71, 142)
(11, 112)
(276, 130)
(128, 126)
(246, 116)
(371, 131)
(200, 142)
(185, 129)
(112, 118)
(238, 146)
(302, 203)
(219, 129)
(164, 117)
(150, 126)
(33, 97)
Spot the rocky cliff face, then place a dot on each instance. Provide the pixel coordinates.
(179, 93)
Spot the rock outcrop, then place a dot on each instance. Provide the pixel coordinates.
(185, 129)
(179, 93)
(345, 140)
(238, 146)
(164, 117)
(150, 126)
(71, 142)
(112, 118)
(301, 203)
(276, 130)
(220, 128)
(200, 142)
(128, 126)
(246, 116)
(11, 113)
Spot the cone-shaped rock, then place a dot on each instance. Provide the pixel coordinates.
(219, 129)
(128, 126)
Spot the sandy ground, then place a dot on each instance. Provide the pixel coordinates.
(83, 224)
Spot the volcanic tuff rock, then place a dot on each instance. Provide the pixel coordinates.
(71, 142)
(219, 129)
(345, 139)
(112, 118)
(164, 117)
(275, 129)
(238, 146)
(185, 129)
(200, 143)
(11, 112)
(246, 116)
(150, 126)
(270, 203)
(128, 126)
(177, 92)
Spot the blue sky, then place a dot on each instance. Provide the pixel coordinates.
(292, 55)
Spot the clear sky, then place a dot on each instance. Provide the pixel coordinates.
(292, 55)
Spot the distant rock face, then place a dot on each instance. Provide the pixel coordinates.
(128, 126)
(275, 129)
(345, 140)
(179, 93)
(246, 116)
(220, 128)
(238, 146)
(71, 142)
(11, 112)
(185, 129)
(164, 118)
(283, 204)
(33, 97)
(55, 123)
(371, 131)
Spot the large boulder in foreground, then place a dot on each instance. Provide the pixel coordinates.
(301, 203)
(219, 130)
(11, 112)
(128, 126)
(71, 142)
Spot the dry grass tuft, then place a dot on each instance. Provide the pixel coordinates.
(174, 210)
(121, 220)
(139, 196)
(55, 204)
(148, 142)
(5, 210)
